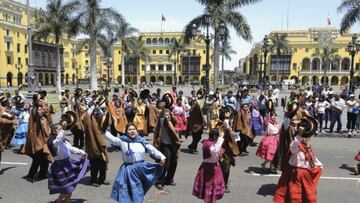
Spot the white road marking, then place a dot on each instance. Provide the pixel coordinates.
(14, 163)
(322, 177)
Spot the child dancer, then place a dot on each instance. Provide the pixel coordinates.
(22, 128)
(269, 143)
(65, 172)
(209, 181)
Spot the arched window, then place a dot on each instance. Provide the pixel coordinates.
(154, 41)
(148, 41)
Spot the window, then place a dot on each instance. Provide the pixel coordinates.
(154, 51)
(119, 52)
(86, 62)
(26, 48)
(8, 46)
(18, 47)
(119, 66)
(143, 67)
(295, 50)
(204, 51)
(18, 34)
(86, 47)
(7, 32)
(167, 52)
(86, 54)
(168, 67)
(19, 60)
(357, 66)
(306, 50)
(294, 66)
(194, 52)
(27, 61)
(152, 67)
(161, 67)
(9, 60)
(160, 51)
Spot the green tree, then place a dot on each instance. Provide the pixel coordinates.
(226, 52)
(224, 11)
(352, 15)
(176, 47)
(138, 52)
(279, 45)
(94, 20)
(56, 19)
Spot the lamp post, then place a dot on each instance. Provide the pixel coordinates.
(109, 63)
(223, 40)
(353, 47)
(261, 63)
(265, 49)
(19, 66)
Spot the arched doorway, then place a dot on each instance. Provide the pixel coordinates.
(134, 80)
(41, 79)
(161, 78)
(127, 80)
(46, 79)
(344, 80)
(356, 80)
(335, 64)
(334, 80)
(20, 78)
(9, 77)
(273, 78)
(180, 80)
(62, 78)
(152, 79)
(315, 64)
(143, 79)
(168, 80)
(315, 80)
(284, 78)
(73, 78)
(305, 64)
(327, 80)
(52, 79)
(195, 78)
(119, 79)
(305, 80)
(67, 79)
(295, 78)
(345, 64)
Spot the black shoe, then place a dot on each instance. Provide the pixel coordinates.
(193, 151)
(29, 179)
(159, 186)
(171, 183)
(105, 182)
(227, 190)
(339, 132)
(94, 184)
(246, 152)
(40, 178)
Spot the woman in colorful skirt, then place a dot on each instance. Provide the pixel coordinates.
(269, 143)
(178, 110)
(22, 128)
(209, 181)
(65, 172)
(255, 120)
(135, 176)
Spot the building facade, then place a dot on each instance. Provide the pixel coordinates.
(161, 65)
(303, 62)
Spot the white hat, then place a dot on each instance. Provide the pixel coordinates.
(351, 95)
(211, 93)
(62, 90)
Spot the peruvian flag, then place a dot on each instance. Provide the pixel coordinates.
(163, 18)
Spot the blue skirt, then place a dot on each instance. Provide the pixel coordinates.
(65, 174)
(134, 180)
(20, 134)
(256, 125)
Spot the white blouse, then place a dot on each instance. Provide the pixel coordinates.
(297, 157)
(64, 148)
(137, 148)
(215, 151)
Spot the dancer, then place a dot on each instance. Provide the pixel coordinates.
(135, 176)
(139, 108)
(166, 141)
(242, 125)
(178, 111)
(209, 181)
(22, 127)
(299, 182)
(269, 143)
(195, 126)
(65, 172)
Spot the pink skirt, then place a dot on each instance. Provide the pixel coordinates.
(181, 122)
(209, 182)
(267, 147)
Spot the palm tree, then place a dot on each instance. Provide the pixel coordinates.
(95, 20)
(352, 15)
(226, 50)
(222, 12)
(139, 52)
(279, 45)
(56, 19)
(123, 34)
(176, 47)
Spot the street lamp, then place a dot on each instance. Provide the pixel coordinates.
(109, 63)
(353, 47)
(19, 66)
(77, 73)
(261, 63)
(223, 40)
(265, 49)
(193, 33)
(207, 63)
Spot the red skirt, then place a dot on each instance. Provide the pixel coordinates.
(181, 122)
(267, 147)
(298, 185)
(209, 182)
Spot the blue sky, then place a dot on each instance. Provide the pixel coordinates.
(263, 17)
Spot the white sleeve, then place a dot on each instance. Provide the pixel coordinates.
(113, 140)
(59, 138)
(217, 146)
(91, 110)
(294, 146)
(154, 152)
(75, 150)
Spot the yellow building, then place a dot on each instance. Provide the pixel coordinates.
(304, 61)
(161, 66)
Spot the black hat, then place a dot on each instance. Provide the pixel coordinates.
(270, 105)
(144, 93)
(78, 92)
(292, 109)
(100, 100)
(310, 126)
(133, 93)
(70, 118)
(168, 99)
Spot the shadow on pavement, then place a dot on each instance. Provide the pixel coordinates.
(257, 170)
(85, 180)
(7, 168)
(267, 189)
(77, 200)
(346, 167)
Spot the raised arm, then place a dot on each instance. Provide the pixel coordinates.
(59, 138)
(154, 152)
(113, 140)
(217, 146)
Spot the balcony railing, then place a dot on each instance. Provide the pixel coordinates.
(8, 38)
(322, 71)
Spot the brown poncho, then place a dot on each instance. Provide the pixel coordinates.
(94, 139)
(172, 133)
(6, 126)
(242, 124)
(118, 118)
(195, 121)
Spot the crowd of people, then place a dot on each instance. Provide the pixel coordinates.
(125, 118)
